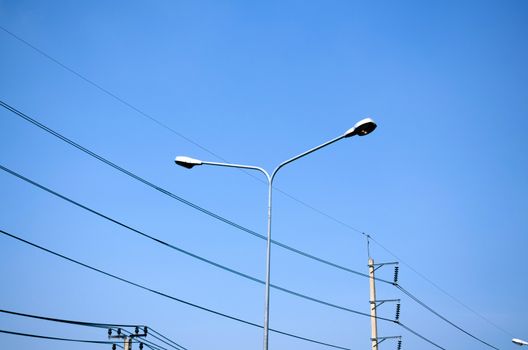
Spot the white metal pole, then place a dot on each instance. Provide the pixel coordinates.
(268, 261)
(189, 163)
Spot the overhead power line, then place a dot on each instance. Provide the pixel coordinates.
(171, 344)
(106, 91)
(252, 278)
(57, 338)
(243, 228)
(183, 251)
(410, 295)
(159, 336)
(188, 253)
(72, 340)
(152, 347)
(421, 336)
(202, 307)
(167, 127)
(164, 337)
(172, 195)
(443, 291)
(33, 121)
(78, 323)
(193, 305)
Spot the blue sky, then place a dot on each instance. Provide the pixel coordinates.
(442, 182)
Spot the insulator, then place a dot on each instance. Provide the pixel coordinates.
(145, 330)
(399, 344)
(398, 311)
(137, 330)
(109, 331)
(396, 271)
(119, 331)
(113, 347)
(140, 346)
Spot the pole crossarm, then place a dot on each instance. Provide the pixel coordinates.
(128, 337)
(378, 265)
(380, 340)
(378, 303)
(120, 334)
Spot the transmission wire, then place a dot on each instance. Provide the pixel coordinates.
(166, 192)
(328, 216)
(57, 338)
(203, 308)
(198, 306)
(178, 346)
(183, 251)
(242, 274)
(214, 215)
(92, 324)
(443, 318)
(164, 337)
(78, 323)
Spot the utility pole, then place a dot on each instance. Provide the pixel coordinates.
(373, 315)
(375, 303)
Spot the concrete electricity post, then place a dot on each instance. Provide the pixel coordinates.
(373, 316)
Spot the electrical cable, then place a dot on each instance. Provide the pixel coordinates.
(222, 218)
(231, 223)
(328, 216)
(195, 256)
(93, 324)
(235, 271)
(443, 318)
(203, 308)
(109, 93)
(166, 341)
(78, 323)
(172, 195)
(151, 346)
(179, 347)
(421, 336)
(57, 338)
(195, 305)
(151, 330)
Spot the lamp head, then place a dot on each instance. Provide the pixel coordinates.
(187, 162)
(362, 128)
(519, 342)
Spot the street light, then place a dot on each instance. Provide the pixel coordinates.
(361, 128)
(519, 342)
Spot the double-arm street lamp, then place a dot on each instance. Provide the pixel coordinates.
(362, 128)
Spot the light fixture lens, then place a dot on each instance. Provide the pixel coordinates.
(362, 128)
(365, 127)
(187, 162)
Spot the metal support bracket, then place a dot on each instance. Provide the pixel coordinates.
(377, 266)
(380, 302)
(380, 340)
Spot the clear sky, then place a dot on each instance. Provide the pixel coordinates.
(442, 182)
